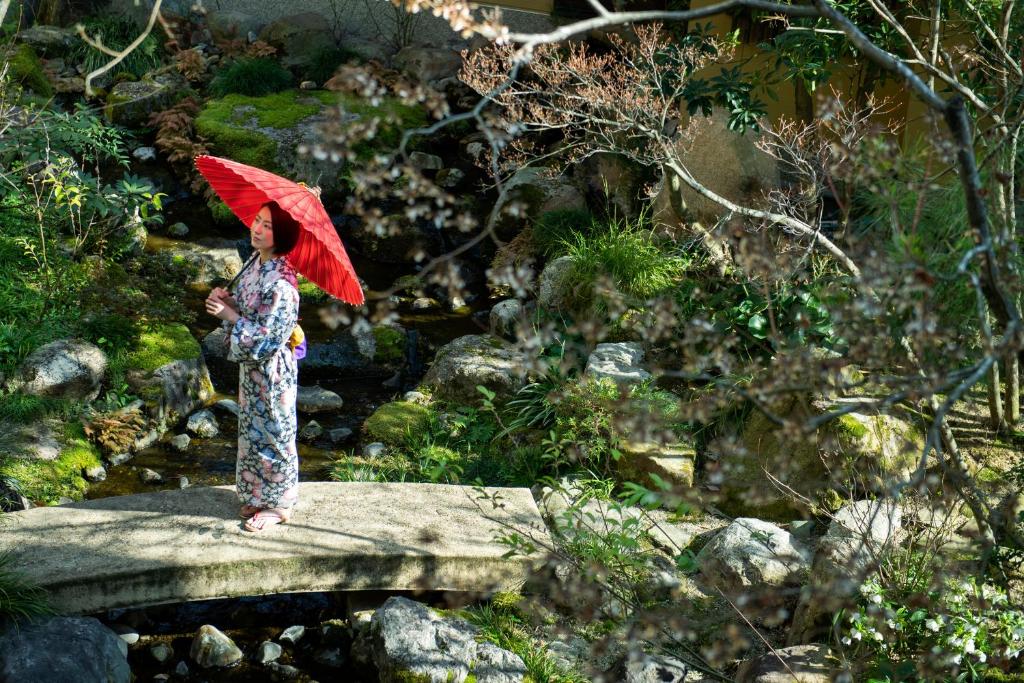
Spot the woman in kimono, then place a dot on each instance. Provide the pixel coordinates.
(259, 320)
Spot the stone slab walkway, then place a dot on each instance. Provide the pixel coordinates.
(176, 546)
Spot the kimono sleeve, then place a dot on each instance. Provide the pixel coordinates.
(258, 337)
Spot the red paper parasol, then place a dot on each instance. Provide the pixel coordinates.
(319, 254)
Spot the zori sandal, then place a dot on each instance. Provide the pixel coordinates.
(264, 519)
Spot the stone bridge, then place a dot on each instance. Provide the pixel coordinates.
(177, 546)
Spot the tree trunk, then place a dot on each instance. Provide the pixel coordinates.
(1012, 389)
(995, 400)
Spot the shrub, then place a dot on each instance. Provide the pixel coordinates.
(894, 636)
(627, 253)
(117, 32)
(252, 77)
(325, 61)
(554, 229)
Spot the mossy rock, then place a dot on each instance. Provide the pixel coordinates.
(393, 423)
(50, 480)
(26, 69)
(856, 451)
(159, 345)
(166, 369)
(389, 345)
(230, 122)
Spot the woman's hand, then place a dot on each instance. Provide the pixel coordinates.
(221, 305)
(222, 295)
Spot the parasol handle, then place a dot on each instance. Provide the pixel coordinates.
(252, 259)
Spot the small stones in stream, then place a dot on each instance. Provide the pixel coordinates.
(180, 442)
(283, 672)
(161, 652)
(268, 652)
(340, 434)
(119, 458)
(126, 633)
(148, 476)
(181, 669)
(212, 648)
(311, 431)
(292, 634)
(95, 473)
(183, 482)
(203, 424)
(331, 657)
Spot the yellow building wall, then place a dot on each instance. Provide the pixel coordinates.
(913, 117)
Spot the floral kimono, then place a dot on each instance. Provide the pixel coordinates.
(267, 472)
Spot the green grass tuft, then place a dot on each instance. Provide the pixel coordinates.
(252, 77)
(20, 598)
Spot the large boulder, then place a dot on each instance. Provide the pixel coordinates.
(672, 463)
(49, 41)
(227, 24)
(316, 399)
(299, 37)
(758, 564)
(539, 191)
(505, 317)
(66, 368)
(861, 533)
(37, 441)
(619, 362)
(211, 648)
(476, 360)
(556, 286)
(213, 261)
(859, 451)
(393, 423)
(411, 642)
(79, 649)
(131, 103)
(727, 162)
(612, 179)
(167, 370)
(427, 64)
(269, 132)
(645, 668)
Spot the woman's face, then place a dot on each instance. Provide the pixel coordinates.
(262, 233)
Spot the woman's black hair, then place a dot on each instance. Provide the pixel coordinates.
(285, 228)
